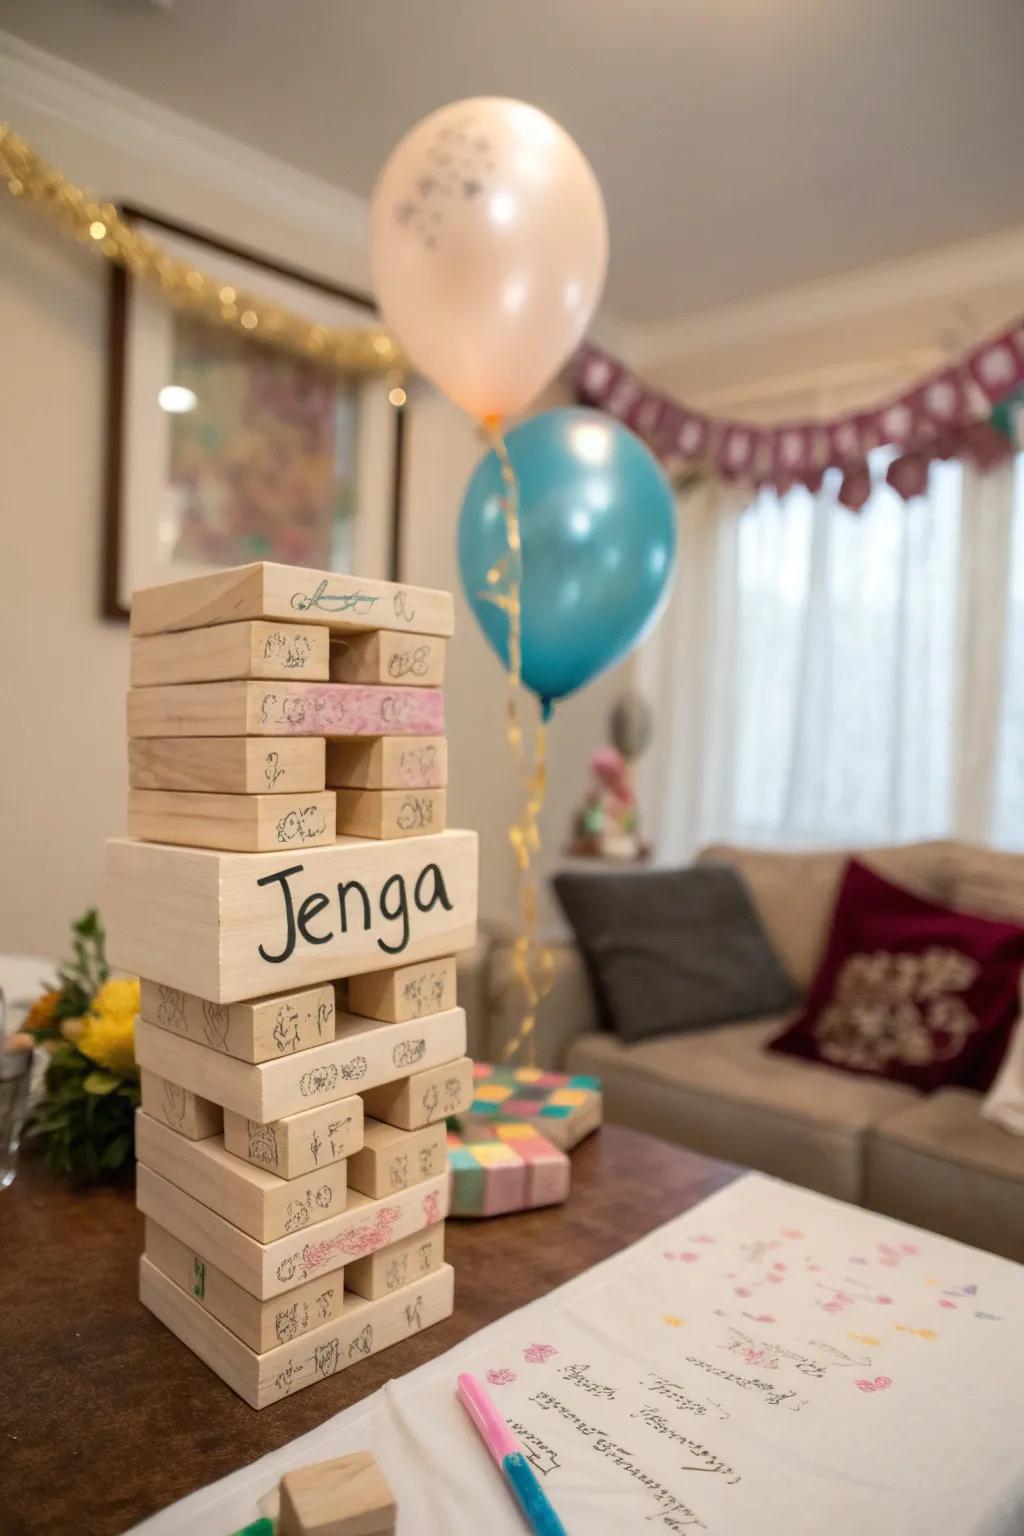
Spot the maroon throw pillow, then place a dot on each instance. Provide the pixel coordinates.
(909, 990)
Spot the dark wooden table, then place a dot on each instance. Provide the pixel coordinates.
(105, 1417)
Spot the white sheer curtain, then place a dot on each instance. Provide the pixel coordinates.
(829, 677)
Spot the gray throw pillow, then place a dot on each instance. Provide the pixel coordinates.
(672, 950)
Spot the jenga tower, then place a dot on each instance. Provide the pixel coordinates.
(293, 903)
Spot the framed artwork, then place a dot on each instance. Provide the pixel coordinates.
(223, 450)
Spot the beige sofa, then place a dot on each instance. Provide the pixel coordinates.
(928, 1160)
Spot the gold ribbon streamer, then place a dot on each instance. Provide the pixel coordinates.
(27, 177)
(533, 960)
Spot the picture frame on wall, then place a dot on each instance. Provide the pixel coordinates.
(222, 449)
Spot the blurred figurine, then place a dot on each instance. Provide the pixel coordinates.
(606, 825)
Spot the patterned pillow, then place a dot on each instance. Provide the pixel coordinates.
(909, 990)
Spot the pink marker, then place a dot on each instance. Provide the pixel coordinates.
(508, 1454)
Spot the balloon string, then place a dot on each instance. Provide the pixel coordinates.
(533, 960)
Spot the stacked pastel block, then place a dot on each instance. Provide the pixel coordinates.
(293, 904)
(507, 1167)
(563, 1108)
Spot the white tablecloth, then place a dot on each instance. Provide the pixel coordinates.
(771, 1362)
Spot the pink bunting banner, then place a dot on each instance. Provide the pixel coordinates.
(950, 414)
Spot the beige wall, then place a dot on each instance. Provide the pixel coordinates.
(64, 669)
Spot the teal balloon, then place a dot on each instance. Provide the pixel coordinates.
(598, 532)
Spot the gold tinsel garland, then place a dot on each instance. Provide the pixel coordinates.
(355, 349)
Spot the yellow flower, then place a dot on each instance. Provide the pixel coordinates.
(109, 1034)
(40, 1015)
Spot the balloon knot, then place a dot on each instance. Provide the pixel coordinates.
(546, 707)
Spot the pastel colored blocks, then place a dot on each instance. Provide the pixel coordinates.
(259, 1324)
(228, 765)
(346, 1497)
(564, 1109)
(390, 812)
(229, 926)
(264, 590)
(390, 1159)
(405, 991)
(300, 1143)
(260, 1204)
(179, 1108)
(363, 1328)
(424, 1096)
(247, 708)
(508, 1168)
(397, 1265)
(261, 1030)
(389, 762)
(243, 823)
(250, 648)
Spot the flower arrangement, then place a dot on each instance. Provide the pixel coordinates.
(85, 1118)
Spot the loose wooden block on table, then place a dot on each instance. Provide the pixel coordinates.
(262, 1030)
(345, 1497)
(242, 823)
(228, 765)
(411, 1102)
(390, 812)
(249, 648)
(396, 1265)
(297, 1144)
(260, 1379)
(487, 1179)
(404, 991)
(259, 1324)
(257, 1202)
(388, 656)
(229, 926)
(184, 1111)
(390, 1159)
(270, 1269)
(360, 1055)
(246, 708)
(264, 590)
(388, 762)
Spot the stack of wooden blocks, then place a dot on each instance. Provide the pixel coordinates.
(293, 903)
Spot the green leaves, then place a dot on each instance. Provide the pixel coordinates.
(81, 978)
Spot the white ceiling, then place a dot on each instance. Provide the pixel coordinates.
(743, 145)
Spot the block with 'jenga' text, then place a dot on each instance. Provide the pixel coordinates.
(403, 1263)
(299, 1143)
(410, 1102)
(261, 1030)
(404, 991)
(390, 1159)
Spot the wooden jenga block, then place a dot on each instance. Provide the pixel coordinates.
(388, 762)
(246, 708)
(548, 1170)
(361, 1055)
(390, 1159)
(184, 1111)
(411, 1102)
(249, 648)
(396, 1265)
(262, 1030)
(229, 926)
(504, 1168)
(228, 765)
(388, 656)
(390, 812)
(268, 1269)
(258, 1202)
(404, 991)
(260, 1379)
(267, 591)
(301, 1143)
(259, 1324)
(349, 1496)
(239, 823)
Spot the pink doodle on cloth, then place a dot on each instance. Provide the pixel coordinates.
(501, 1378)
(536, 1354)
(880, 1384)
(361, 1240)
